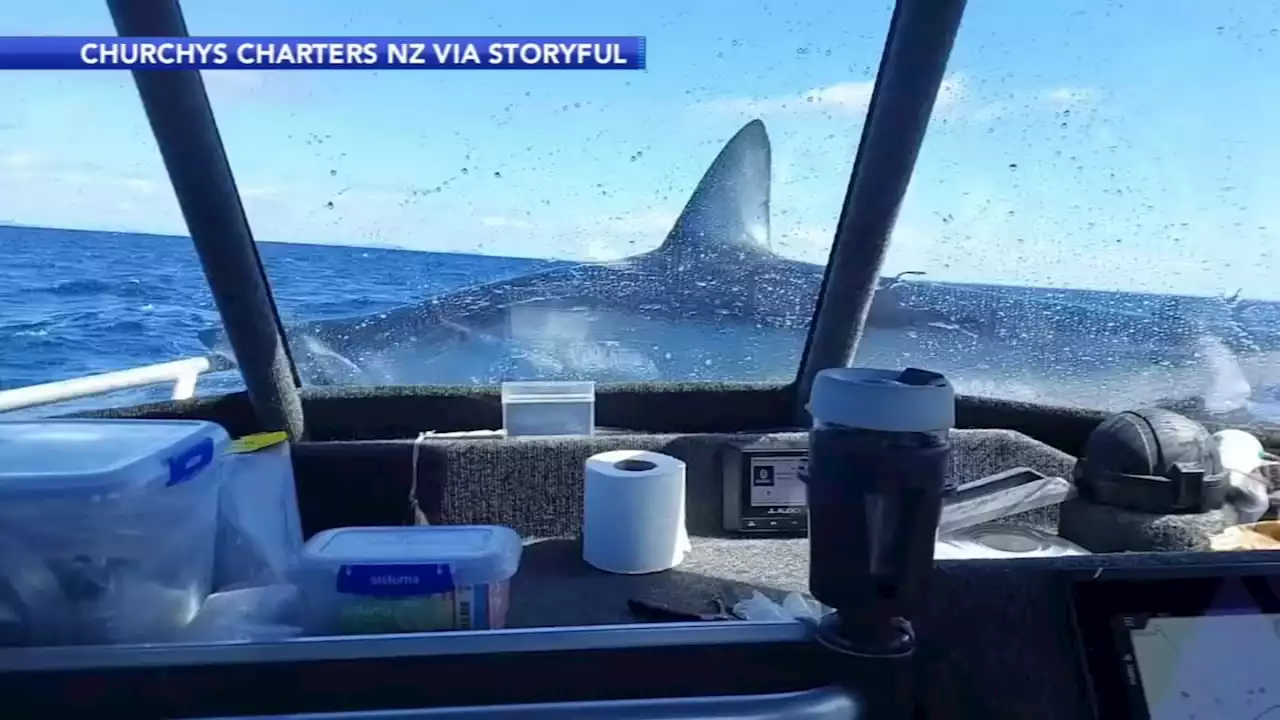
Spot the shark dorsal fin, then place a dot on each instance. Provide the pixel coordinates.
(728, 214)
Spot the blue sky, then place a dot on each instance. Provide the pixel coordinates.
(1087, 144)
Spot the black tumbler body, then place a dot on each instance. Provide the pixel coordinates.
(874, 494)
(874, 502)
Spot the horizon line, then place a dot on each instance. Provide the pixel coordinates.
(10, 225)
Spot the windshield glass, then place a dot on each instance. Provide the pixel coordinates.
(1092, 215)
(94, 276)
(469, 228)
(1086, 225)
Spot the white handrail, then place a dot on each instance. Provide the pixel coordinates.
(184, 374)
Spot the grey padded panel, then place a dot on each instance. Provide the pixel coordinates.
(535, 485)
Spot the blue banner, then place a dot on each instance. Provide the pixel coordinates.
(323, 53)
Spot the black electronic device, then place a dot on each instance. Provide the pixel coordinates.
(763, 492)
(1187, 642)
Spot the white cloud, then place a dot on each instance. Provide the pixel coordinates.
(505, 222)
(1057, 99)
(35, 189)
(246, 81)
(849, 98)
(1070, 96)
(19, 160)
(958, 100)
(236, 86)
(647, 221)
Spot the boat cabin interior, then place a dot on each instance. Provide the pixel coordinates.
(1061, 633)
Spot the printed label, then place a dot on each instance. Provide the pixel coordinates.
(465, 608)
(395, 581)
(1269, 473)
(257, 441)
(426, 613)
(188, 463)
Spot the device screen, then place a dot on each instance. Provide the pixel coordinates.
(1193, 648)
(775, 481)
(1223, 667)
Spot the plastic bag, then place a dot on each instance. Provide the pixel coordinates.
(268, 613)
(1249, 470)
(760, 608)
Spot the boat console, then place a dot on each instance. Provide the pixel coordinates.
(997, 637)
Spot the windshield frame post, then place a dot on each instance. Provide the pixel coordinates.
(912, 66)
(187, 136)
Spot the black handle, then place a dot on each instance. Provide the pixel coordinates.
(647, 611)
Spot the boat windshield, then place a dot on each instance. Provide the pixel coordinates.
(1086, 227)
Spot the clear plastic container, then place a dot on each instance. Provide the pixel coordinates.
(993, 541)
(107, 528)
(359, 581)
(548, 408)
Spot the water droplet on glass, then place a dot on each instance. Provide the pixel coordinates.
(465, 171)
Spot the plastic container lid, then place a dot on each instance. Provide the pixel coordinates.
(1002, 541)
(91, 455)
(474, 554)
(908, 400)
(533, 391)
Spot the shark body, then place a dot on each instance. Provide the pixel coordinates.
(713, 302)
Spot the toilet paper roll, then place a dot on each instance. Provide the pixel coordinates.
(634, 512)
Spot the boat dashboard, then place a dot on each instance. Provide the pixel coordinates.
(1009, 635)
(1072, 637)
(1139, 638)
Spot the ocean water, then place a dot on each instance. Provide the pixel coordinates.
(74, 303)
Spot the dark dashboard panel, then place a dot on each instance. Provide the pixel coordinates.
(1189, 643)
(428, 681)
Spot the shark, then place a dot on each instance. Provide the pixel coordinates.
(714, 301)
